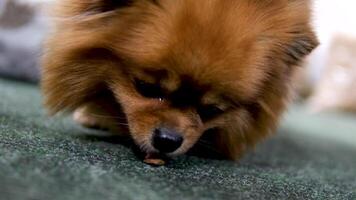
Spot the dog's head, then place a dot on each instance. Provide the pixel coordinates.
(180, 67)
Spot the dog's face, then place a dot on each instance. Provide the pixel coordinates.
(180, 68)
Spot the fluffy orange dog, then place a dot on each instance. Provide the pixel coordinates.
(171, 70)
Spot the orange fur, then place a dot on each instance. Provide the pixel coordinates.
(238, 55)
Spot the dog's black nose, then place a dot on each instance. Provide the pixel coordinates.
(166, 140)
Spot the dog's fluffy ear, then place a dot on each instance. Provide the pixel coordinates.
(302, 38)
(303, 44)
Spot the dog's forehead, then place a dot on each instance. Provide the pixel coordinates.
(211, 29)
(215, 43)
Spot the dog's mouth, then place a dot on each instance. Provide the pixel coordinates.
(162, 146)
(203, 148)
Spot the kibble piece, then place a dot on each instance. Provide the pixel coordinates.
(152, 159)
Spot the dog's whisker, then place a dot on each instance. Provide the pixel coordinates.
(208, 146)
(124, 124)
(106, 116)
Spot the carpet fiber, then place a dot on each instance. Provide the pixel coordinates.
(312, 157)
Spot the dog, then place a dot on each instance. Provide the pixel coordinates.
(166, 72)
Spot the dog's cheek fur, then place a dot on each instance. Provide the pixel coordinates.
(71, 76)
(67, 85)
(78, 59)
(244, 130)
(260, 119)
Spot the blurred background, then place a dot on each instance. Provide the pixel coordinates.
(330, 73)
(326, 82)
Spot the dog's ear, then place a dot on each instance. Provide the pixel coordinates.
(302, 44)
(300, 40)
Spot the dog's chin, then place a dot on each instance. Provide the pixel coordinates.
(149, 149)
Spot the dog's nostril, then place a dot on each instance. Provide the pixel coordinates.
(166, 140)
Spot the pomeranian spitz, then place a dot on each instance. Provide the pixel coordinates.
(165, 72)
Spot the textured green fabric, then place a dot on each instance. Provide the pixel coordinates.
(312, 157)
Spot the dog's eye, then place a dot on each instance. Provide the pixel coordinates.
(209, 112)
(107, 5)
(149, 90)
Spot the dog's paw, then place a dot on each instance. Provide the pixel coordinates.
(85, 118)
(93, 116)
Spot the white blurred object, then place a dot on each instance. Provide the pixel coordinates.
(331, 18)
(336, 89)
(34, 2)
(330, 69)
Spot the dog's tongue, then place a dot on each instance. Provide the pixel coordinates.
(154, 159)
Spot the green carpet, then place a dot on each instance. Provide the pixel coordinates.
(312, 157)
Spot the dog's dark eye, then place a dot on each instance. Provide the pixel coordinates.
(149, 90)
(209, 112)
(100, 6)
